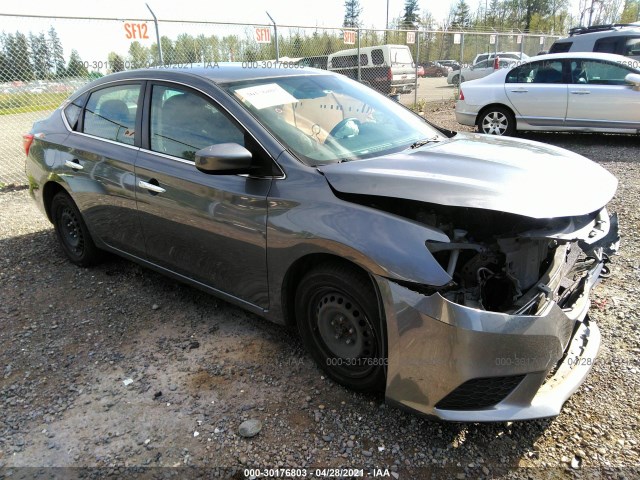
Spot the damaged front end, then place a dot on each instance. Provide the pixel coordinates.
(508, 338)
(515, 265)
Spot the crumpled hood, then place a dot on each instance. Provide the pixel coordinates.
(481, 171)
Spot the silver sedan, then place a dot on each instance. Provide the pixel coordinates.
(582, 91)
(478, 70)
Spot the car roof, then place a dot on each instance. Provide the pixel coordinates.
(354, 51)
(223, 72)
(593, 55)
(613, 30)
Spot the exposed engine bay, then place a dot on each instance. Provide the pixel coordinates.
(503, 262)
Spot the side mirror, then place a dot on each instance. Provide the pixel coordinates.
(224, 159)
(633, 79)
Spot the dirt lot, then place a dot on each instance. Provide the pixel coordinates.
(117, 367)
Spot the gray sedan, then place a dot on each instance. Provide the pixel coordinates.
(412, 260)
(582, 91)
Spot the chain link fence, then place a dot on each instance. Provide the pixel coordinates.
(43, 60)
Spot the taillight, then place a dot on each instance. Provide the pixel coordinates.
(461, 97)
(27, 140)
(496, 63)
(389, 75)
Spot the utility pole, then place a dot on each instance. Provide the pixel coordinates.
(386, 25)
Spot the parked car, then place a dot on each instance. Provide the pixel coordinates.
(433, 69)
(319, 61)
(450, 270)
(479, 70)
(481, 57)
(619, 39)
(453, 64)
(559, 92)
(386, 68)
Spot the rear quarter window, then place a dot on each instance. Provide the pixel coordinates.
(560, 47)
(73, 110)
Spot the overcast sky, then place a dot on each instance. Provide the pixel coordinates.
(94, 39)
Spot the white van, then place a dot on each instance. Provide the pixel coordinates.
(387, 68)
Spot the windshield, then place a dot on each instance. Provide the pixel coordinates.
(327, 119)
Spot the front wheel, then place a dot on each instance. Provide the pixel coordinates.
(72, 232)
(496, 121)
(340, 325)
(456, 81)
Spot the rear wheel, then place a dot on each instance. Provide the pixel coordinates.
(496, 121)
(456, 80)
(340, 324)
(72, 232)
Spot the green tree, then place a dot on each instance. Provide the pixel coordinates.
(75, 67)
(532, 7)
(4, 67)
(116, 62)
(461, 15)
(139, 55)
(411, 17)
(18, 57)
(186, 50)
(297, 46)
(56, 52)
(168, 51)
(352, 11)
(630, 12)
(40, 56)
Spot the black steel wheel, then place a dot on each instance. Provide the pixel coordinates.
(72, 232)
(340, 323)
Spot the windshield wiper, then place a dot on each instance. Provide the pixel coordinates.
(420, 143)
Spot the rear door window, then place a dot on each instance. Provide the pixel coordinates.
(631, 47)
(111, 113)
(544, 71)
(606, 45)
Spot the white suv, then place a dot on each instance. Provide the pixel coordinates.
(620, 39)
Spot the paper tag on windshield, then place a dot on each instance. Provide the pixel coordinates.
(268, 95)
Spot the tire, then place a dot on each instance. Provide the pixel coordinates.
(496, 121)
(461, 80)
(340, 324)
(72, 232)
(456, 80)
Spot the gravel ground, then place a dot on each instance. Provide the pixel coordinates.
(117, 367)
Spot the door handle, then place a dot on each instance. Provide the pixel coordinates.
(520, 91)
(74, 164)
(580, 92)
(151, 187)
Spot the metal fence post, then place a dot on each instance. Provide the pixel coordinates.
(359, 72)
(275, 32)
(415, 90)
(155, 21)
